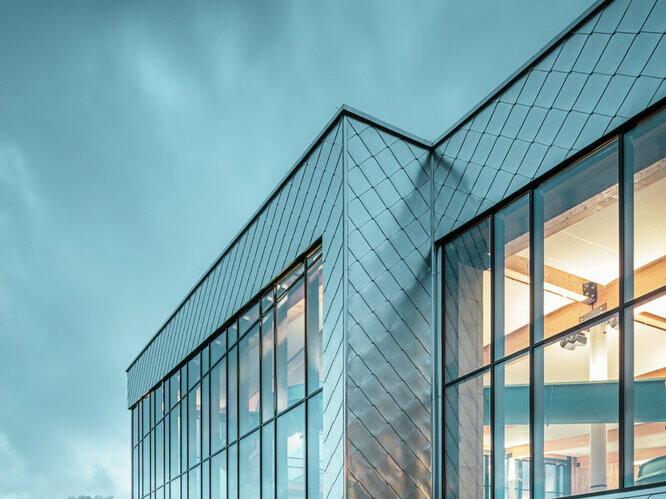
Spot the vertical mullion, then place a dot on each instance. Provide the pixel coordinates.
(536, 333)
(442, 299)
(275, 390)
(493, 278)
(497, 348)
(306, 365)
(261, 394)
(625, 318)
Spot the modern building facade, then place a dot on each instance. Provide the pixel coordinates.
(479, 316)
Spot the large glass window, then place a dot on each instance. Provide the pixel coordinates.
(467, 302)
(576, 247)
(645, 409)
(218, 397)
(467, 441)
(174, 452)
(249, 397)
(291, 454)
(578, 424)
(645, 182)
(268, 365)
(512, 293)
(211, 428)
(315, 327)
(512, 427)
(218, 476)
(555, 332)
(290, 346)
(268, 461)
(249, 465)
(194, 428)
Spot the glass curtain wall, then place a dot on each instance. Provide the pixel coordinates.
(243, 416)
(555, 332)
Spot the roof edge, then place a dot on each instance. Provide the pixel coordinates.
(343, 110)
(545, 50)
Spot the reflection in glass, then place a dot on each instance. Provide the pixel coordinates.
(249, 466)
(174, 388)
(232, 334)
(467, 440)
(194, 482)
(218, 406)
(136, 478)
(159, 454)
(512, 293)
(467, 301)
(267, 367)
(174, 453)
(232, 478)
(290, 279)
(267, 301)
(315, 325)
(205, 480)
(205, 416)
(136, 430)
(579, 400)
(247, 319)
(512, 430)
(158, 400)
(645, 181)
(577, 215)
(194, 421)
(232, 376)
(315, 440)
(145, 412)
(175, 489)
(268, 461)
(291, 453)
(248, 383)
(183, 435)
(218, 347)
(145, 450)
(648, 411)
(290, 347)
(218, 476)
(194, 370)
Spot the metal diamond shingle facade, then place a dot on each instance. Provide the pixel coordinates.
(389, 330)
(379, 199)
(605, 71)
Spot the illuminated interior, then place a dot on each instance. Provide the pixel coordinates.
(577, 223)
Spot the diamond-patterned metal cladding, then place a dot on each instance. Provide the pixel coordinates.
(308, 206)
(608, 69)
(389, 332)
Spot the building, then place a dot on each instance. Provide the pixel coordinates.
(482, 315)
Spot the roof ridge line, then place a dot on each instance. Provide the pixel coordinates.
(545, 50)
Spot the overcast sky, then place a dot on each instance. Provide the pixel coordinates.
(136, 138)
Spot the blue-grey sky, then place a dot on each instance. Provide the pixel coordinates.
(136, 138)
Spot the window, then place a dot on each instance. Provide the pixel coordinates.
(248, 352)
(554, 328)
(291, 453)
(218, 405)
(249, 467)
(214, 427)
(645, 407)
(218, 476)
(290, 346)
(268, 461)
(267, 366)
(467, 302)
